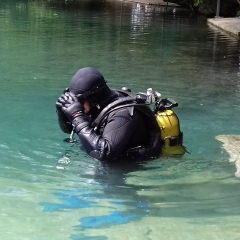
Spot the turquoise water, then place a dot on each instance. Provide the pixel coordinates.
(50, 189)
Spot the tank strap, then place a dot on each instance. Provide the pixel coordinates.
(175, 141)
(129, 100)
(120, 103)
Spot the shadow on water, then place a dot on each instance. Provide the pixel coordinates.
(86, 5)
(123, 202)
(111, 5)
(107, 186)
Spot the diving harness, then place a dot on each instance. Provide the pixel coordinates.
(167, 120)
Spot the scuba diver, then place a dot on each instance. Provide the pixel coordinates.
(111, 124)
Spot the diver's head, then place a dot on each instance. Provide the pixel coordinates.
(88, 84)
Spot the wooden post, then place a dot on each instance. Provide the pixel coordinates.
(218, 8)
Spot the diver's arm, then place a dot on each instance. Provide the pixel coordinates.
(94, 145)
(115, 138)
(73, 109)
(116, 134)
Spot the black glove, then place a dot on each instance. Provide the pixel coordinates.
(70, 105)
(63, 121)
(62, 100)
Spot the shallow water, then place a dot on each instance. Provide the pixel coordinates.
(50, 188)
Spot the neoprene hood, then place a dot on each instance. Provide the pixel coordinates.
(89, 84)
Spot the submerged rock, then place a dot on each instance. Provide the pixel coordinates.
(231, 143)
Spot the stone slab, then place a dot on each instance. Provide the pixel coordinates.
(230, 25)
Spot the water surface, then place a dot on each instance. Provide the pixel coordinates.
(50, 188)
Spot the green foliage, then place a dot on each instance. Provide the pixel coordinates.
(228, 8)
(197, 2)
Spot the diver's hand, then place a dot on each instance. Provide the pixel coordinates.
(62, 99)
(70, 105)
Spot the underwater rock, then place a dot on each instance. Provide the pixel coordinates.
(231, 143)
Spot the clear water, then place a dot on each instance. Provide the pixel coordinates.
(50, 189)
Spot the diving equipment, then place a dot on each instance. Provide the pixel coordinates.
(71, 138)
(168, 122)
(165, 119)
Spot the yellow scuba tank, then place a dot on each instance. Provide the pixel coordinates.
(169, 125)
(171, 135)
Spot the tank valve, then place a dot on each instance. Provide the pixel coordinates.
(150, 95)
(153, 96)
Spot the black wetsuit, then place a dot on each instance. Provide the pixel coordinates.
(126, 132)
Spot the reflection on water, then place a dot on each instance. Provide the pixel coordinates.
(140, 20)
(54, 185)
(239, 66)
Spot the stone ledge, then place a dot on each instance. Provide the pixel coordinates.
(230, 25)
